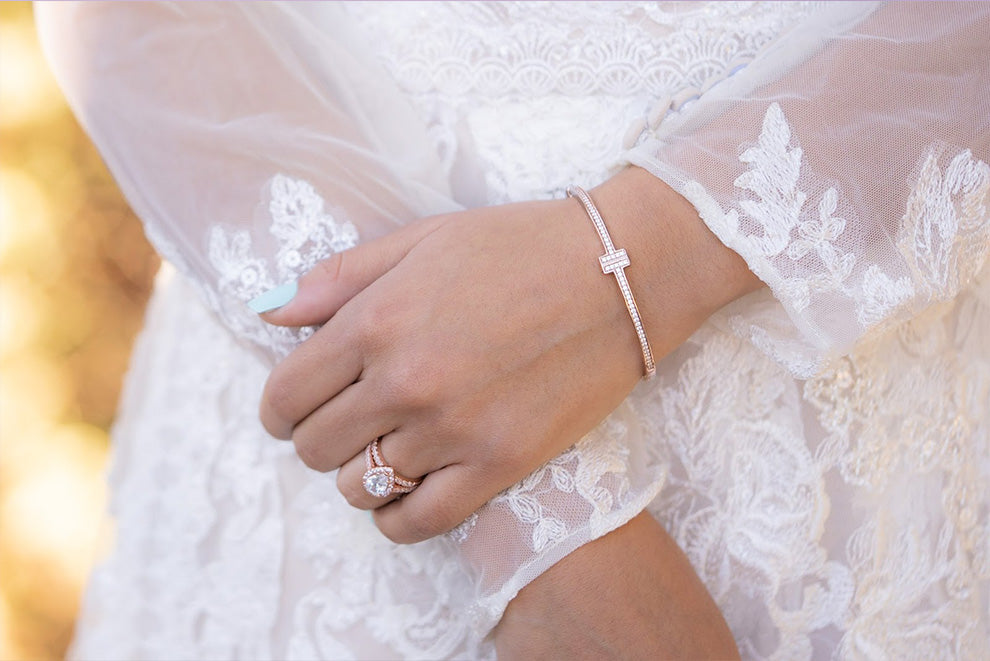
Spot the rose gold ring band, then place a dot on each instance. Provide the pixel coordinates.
(380, 479)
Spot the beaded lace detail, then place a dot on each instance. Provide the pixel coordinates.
(305, 234)
(851, 503)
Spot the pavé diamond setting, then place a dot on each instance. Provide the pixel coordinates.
(381, 480)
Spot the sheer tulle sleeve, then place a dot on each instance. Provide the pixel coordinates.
(847, 165)
(255, 139)
(249, 138)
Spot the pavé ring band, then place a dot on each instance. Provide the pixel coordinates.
(381, 480)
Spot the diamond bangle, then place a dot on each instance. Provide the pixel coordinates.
(614, 262)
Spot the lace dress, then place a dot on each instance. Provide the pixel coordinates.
(819, 449)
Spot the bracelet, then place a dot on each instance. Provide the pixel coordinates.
(615, 261)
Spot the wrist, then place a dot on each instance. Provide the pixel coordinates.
(680, 271)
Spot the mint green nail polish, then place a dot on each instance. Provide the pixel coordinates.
(274, 298)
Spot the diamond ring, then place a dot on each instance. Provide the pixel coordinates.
(381, 480)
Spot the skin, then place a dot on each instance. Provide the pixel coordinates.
(648, 604)
(483, 343)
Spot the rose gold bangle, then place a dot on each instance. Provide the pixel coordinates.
(615, 261)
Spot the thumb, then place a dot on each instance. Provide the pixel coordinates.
(318, 294)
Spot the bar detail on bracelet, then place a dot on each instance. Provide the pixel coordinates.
(614, 262)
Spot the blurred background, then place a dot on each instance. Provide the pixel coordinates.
(75, 274)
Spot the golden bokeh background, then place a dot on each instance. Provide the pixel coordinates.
(75, 274)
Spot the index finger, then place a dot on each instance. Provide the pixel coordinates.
(319, 369)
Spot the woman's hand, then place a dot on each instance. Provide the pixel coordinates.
(655, 606)
(480, 344)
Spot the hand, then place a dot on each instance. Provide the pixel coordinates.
(481, 344)
(631, 594)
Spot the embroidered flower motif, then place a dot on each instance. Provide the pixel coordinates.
(773, 176)
(880, 294)
(810, 260)
(242, 275)
(945, 236)
(820, 236)
(305, 233)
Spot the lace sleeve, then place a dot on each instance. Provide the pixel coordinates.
(847, 165)
(227, 125)
(251, 140)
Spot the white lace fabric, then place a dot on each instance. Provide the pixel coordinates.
(843, 514)
(859, 194)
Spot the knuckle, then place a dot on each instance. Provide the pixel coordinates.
(372, 328)
(310, 454)
(331, 269)
(426, 523)
(412, 384)
(271, 425)
(399, 386)
(278, 405)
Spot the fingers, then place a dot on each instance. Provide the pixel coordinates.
(321, 292)
(316, 372)
(342, 428)
(333, 358)
(397, 450)
(444, 499)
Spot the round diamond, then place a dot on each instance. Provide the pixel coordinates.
(379, 481)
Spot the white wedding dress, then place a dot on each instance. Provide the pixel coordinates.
(819, 449)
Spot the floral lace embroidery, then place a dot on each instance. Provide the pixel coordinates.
(767, 224)
(745, 498)
(945, 236)
(914, 552)
(427, 591)
(943, 239)
(245, 557)
(191, 493)
(305, 234)
(580, 470)
(804, 531)
(899, 584)
(756, 495)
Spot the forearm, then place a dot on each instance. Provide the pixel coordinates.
(631, 594)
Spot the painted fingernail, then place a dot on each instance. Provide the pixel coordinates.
(274, 298)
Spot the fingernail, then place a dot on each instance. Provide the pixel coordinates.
(274, 298)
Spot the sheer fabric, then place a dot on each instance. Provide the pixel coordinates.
(858, 193)
(256, 139)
